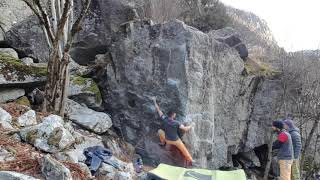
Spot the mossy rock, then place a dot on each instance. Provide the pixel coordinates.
(32, 136)
(87, 86)
(55, 137)
(23, 101)
(10, 66)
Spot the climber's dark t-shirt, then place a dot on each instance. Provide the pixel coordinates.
(171, 128)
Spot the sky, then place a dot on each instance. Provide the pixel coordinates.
(294, 23)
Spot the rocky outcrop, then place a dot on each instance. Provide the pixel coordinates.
(49, 136)
(190, 72)
(97, 122)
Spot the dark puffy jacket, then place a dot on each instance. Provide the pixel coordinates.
(296, 142)
(284, 144)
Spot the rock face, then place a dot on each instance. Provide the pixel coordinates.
(49, 136)
(53, 169)
(97, 122)
(10, 94)
(96, 35)
(263, 113)
(190, 72)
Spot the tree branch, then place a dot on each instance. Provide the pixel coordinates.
(63, 20)
(76, 26)
(45, 19)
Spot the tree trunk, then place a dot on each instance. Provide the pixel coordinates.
(57, 83)
(308, 142)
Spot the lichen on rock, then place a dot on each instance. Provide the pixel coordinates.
(85, 90)
(23, 101)
(11, 65)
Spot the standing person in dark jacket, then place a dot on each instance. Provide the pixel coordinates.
(296, 142)
(285, 154)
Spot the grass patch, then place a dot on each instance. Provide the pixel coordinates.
(11, 65)
(259, 68)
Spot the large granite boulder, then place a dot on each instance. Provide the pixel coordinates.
(12, 12)
(99, 26)
(49, 136)
(189, 71)
(98, 122)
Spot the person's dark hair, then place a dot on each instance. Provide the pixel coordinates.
(171, 113)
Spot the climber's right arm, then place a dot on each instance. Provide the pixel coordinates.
(157, 107)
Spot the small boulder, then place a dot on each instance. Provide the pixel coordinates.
(54, 170)
(27, 119)
(10, 94)
(125, 172)
(5, 119)
(6, 155)
(49, 136)
(27, 61)
(10, 175)
(97, 122)
(10, 52)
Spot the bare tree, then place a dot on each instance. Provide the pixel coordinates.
(60, 30)
(301, 92)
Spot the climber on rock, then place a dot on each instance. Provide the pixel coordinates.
(285, 154)
(169, 133)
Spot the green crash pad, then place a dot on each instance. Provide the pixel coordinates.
(168, 172)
